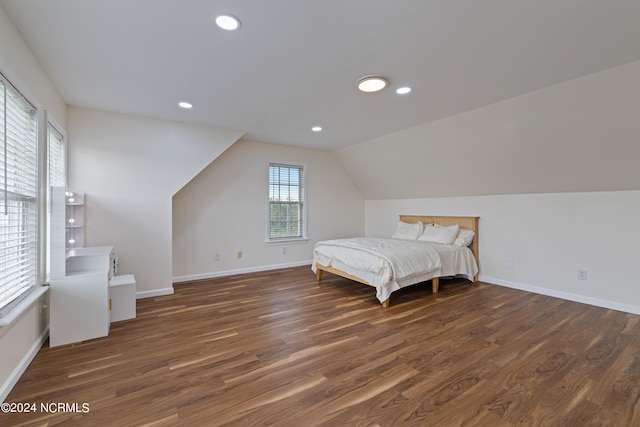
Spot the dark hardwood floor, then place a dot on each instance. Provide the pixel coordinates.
(276, 348)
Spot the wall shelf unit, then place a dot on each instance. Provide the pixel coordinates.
(74, 203)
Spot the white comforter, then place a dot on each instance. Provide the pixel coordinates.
(390, 264)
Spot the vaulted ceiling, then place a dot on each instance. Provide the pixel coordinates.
(293, 64)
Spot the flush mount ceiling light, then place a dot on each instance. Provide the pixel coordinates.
(185, 105)
(317, 129)
(227, 22)
(372, 83)
(403, 90)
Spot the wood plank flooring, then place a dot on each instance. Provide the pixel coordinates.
(278, 349)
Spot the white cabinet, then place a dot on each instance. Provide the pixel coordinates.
(122, 297)
(79, 301)
(85, 296)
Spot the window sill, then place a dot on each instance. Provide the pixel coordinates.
(23, 306)
(280, 242)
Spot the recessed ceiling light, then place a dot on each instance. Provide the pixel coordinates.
(372, 83)
(227, 22)
(317, 128)
(403, 90)
(185, 105)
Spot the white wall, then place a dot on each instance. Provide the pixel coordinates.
(19, 65)
(20, 340)
(569, 155)
(129, 168)
(224, 210)
(548, 237)
(580, 135)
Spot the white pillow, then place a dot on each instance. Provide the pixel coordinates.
(440, 234)
(465, 237)
(407, 231)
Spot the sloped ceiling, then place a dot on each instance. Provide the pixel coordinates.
(294, 63)
(529, 96)
(578, 136)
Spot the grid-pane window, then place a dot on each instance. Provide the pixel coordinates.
(286, 202)
(18, 194)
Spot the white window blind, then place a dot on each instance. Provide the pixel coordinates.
(56, 176)
(286, 202)
(56, 157)
(18, 194)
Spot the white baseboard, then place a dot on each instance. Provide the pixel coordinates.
(22, 366)
(215, 274)
(563, 295)
(154, 293)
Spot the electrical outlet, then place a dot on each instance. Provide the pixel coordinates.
(216, 257)
(508, 263)
(239, 254)
(284, 251)
(582, 274)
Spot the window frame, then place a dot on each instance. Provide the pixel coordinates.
(302, 237)
(28, 191)
(52, 125)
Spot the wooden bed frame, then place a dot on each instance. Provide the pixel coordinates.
(467, 222)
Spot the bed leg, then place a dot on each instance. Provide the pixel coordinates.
(385, 303)
(319, 274)
(435, 284)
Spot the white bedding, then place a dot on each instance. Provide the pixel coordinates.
(390, 264)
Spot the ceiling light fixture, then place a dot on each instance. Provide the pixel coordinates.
(403, 90)
(317, 128)
(372, 83)
(227, 22)
(185, 105)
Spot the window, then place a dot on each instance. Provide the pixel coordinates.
(18, 195)
(56, 176)
(56, 157)
(286, 202)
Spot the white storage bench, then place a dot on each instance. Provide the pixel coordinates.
(122, 297)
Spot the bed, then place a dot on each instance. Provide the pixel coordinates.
(409, 258)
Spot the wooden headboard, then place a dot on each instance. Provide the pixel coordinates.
(467, 222)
